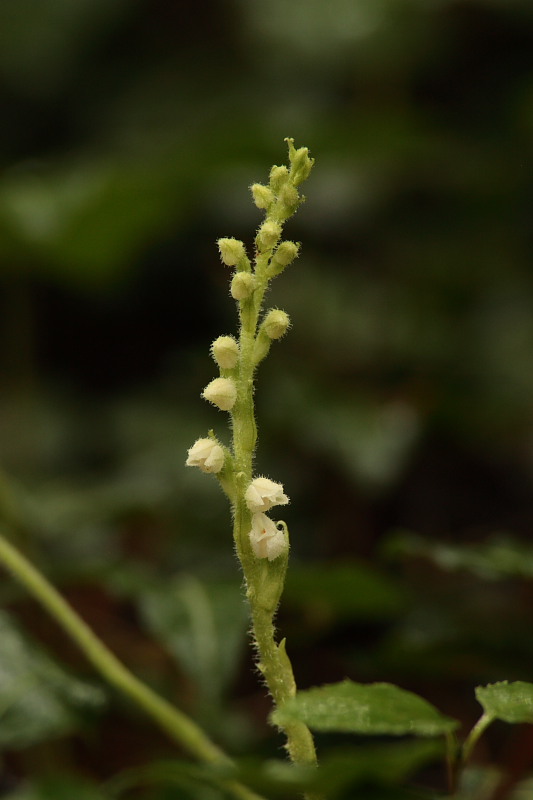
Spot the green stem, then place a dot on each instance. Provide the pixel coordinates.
(264, 580)
(475, 734)
(277, 670)
(176, 725)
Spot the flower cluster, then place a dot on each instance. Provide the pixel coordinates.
(268, 540)
(237, 360)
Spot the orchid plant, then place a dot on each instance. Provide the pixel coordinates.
(261, 544)
(262, 547)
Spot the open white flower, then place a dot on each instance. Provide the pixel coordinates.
(267, 540)
(263, 493)
(206, 454)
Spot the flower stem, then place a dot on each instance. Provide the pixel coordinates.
(173, 722)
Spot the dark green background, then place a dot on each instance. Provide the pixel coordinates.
(400, 400)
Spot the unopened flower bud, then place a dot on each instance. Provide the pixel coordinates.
(276, 323)
(267, 540)
(263, 196)
(289, 198)
(206, 454)
(222, 392)
(225, 351)
(284, 255)
(263, 493)
(242, 286)
(267, 235)
(301, 164)
(231, 251)
(278, 178)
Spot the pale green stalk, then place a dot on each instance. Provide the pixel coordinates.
(173, 722)
(475, 734)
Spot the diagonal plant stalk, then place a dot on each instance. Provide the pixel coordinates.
(262, 546)
(173, 722)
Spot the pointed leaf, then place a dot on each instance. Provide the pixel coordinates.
(376, 708)
(510, 702)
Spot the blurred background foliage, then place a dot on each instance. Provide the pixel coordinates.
(397, 413)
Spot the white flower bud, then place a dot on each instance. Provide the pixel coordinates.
(263, 196)
(225, 351)
(263, 493)
(267, 235)
(267, 540)
(242, 286)
(231, 251)
(207, 455)
(276, 323)
(222, 392)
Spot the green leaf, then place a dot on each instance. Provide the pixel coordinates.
(509, 702)
(38, 700)
(202, 624)
(376, 708)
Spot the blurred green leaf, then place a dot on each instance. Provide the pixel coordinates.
(347, 591)
(163, 778)
(38, 699)
(508, 701)
(376, 709)
(60, 787)
(496, 558)
(202, 624)
(340, 769)
(367, 439)
(85, 222)
(383, 764)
